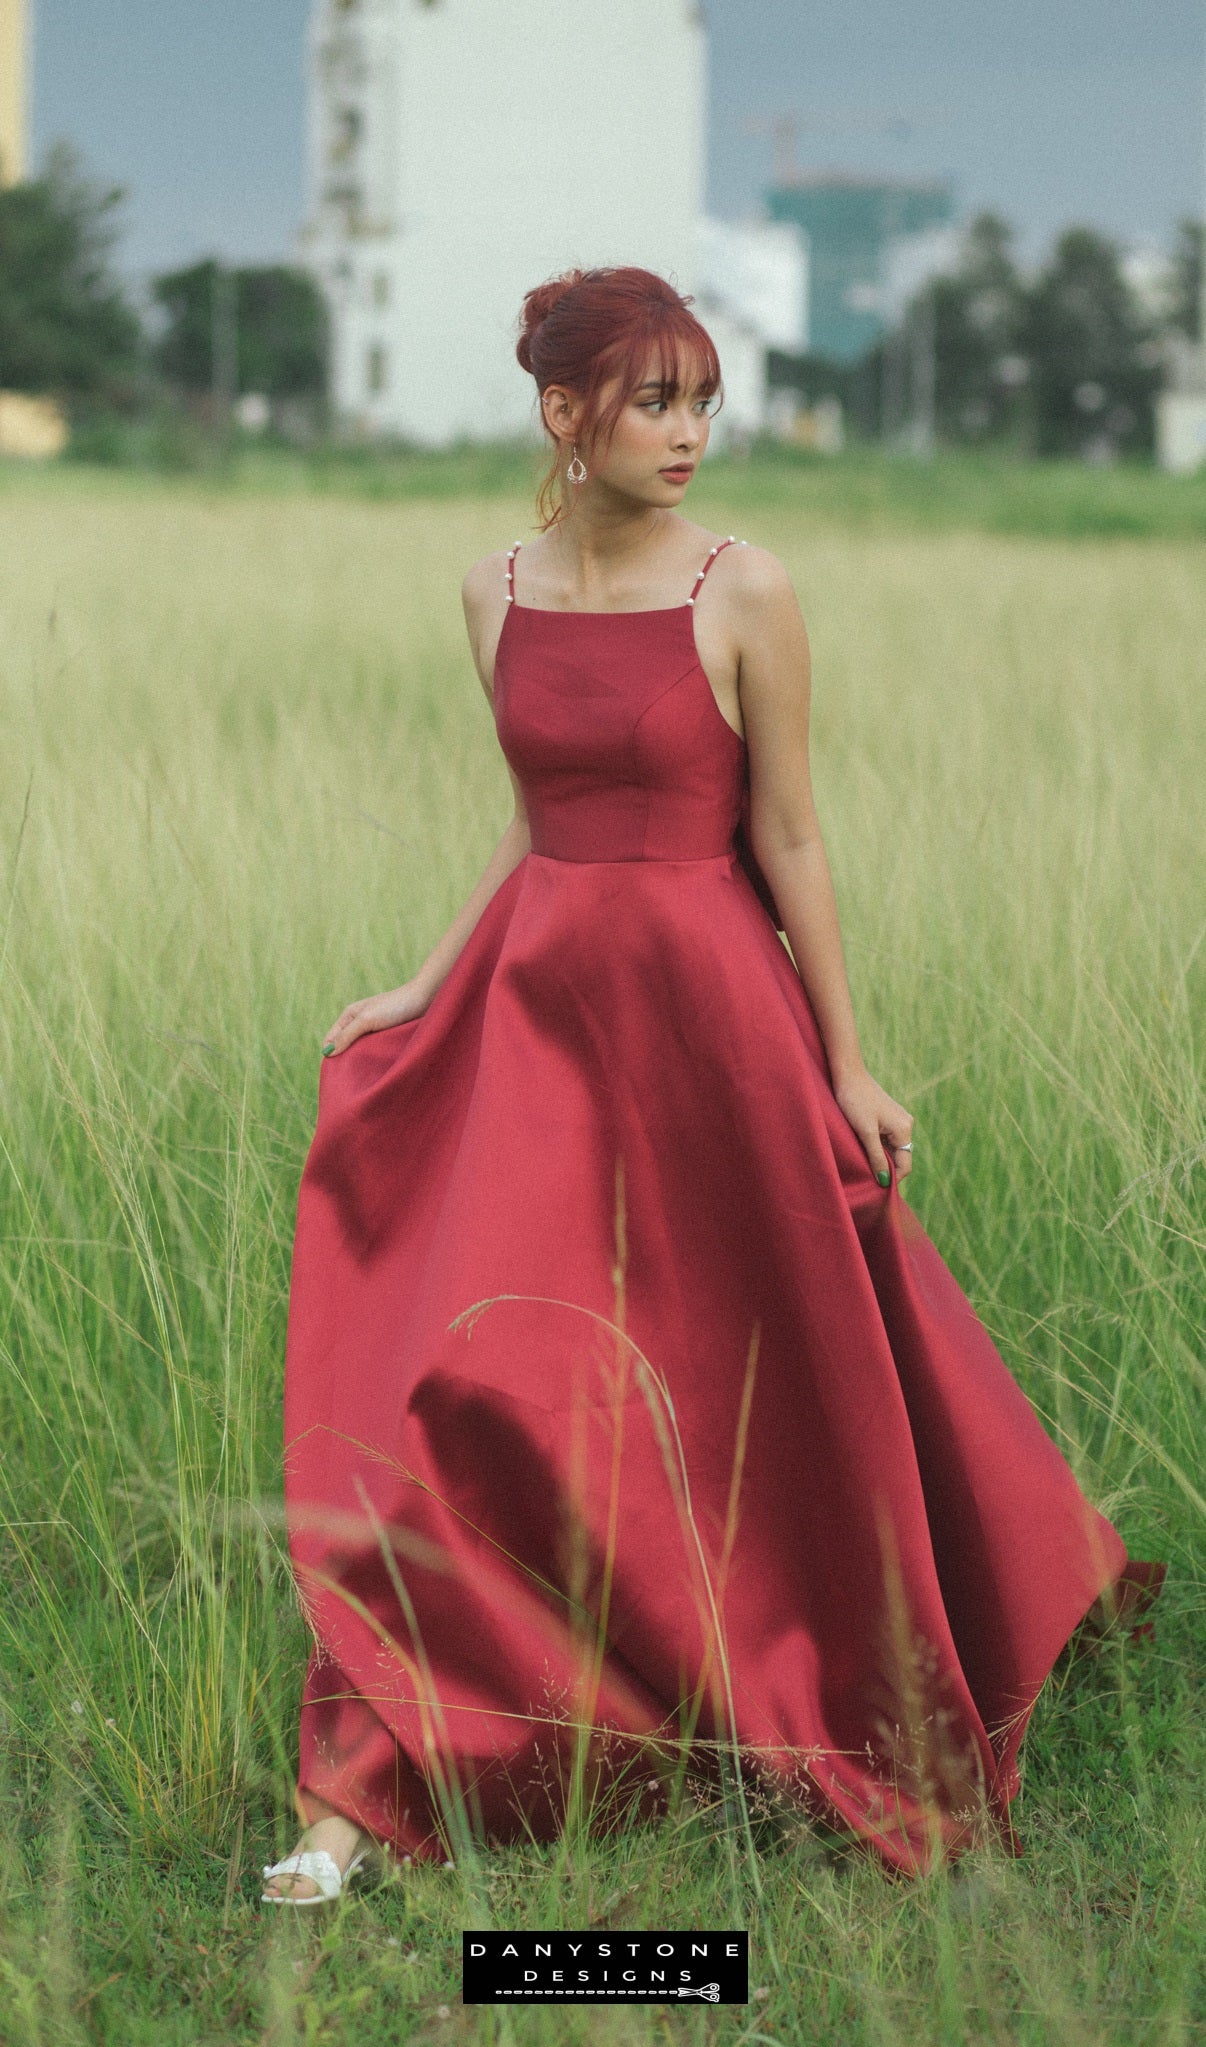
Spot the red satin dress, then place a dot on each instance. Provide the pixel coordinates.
(619, 1394)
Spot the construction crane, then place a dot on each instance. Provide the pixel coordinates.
(909, 358)
(785, 130)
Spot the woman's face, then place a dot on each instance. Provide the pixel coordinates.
(658, 442)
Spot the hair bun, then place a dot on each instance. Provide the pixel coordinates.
(537, 305)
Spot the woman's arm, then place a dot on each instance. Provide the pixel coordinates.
(774, 684)
(401, 1005)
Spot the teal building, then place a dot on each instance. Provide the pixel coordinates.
(849, 222)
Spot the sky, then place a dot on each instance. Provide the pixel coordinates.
(1046, 111)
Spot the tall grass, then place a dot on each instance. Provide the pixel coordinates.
(249, 774)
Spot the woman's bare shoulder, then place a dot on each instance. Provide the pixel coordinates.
(485, 579)
(756, 584)
(756, 572)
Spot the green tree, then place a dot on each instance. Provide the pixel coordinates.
(65, 326)
(1187, 285)
(277, 320)
(980, 372)
(1094, 361)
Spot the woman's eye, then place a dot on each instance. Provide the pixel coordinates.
(702, 405)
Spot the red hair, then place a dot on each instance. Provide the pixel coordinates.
(587, 326)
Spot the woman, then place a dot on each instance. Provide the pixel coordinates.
(722, 1462)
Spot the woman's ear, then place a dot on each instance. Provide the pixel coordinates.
(560, 410)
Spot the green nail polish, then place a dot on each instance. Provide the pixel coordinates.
(327, 1051)
(883, 1178)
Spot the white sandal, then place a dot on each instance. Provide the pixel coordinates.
(321, 1868)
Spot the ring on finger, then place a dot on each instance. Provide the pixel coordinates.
(903, 1147)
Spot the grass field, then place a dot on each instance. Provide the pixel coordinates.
(248, 774)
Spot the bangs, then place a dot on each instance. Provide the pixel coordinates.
(686, 363)
(679, 355)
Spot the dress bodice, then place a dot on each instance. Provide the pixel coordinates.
(613, 732)
(615, 736)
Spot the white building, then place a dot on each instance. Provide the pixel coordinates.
(1181, 407)
(462, 151)
(1181, 431)
(752, 295)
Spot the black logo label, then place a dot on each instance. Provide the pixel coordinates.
(645, 1968)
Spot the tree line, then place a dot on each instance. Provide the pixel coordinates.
(1065, 362)
(1068, 361)
(68, 329)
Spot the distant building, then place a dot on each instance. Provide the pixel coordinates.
(1181, 405)
(760, 266)
(31, 427)
(752, 296)
(461, 152)
(1181, 430)
(872, 242)
(14, 91)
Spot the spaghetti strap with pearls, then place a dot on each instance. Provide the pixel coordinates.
(695, 587)
(718, 549)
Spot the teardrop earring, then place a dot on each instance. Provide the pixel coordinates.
(577, 468)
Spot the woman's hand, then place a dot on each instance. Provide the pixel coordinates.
(375, 1013)
(877, 1121)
